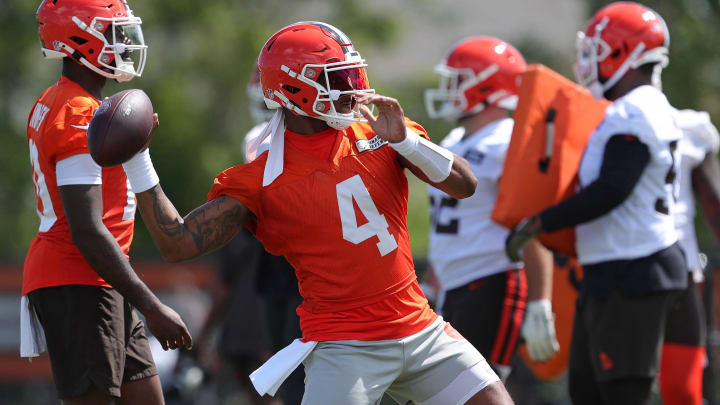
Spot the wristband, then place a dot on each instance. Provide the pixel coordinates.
(407, 145)
(140, 172)
(433, 160)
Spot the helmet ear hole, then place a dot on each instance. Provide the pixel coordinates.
(78, 40)
(291, 89)
(615, 54)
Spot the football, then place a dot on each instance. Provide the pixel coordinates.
(121, 127)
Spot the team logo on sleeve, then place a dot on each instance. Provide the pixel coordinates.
(474, 156)
(373, 143)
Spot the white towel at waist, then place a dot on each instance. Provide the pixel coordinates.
(32, 336)
(268, 378)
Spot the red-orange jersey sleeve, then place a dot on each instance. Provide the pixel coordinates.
(67, 135)
(242, 182)
(417, 128)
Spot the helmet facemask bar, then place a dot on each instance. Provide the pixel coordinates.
(126, 40)
(593, 51)
(349, 77)
(590, 52)
(449, 100)
(121, 37)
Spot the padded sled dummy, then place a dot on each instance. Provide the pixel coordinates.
(553, 122)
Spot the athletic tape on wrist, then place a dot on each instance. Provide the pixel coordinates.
(140, 172)
(433, 160)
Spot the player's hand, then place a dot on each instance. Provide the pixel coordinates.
(538, 330)
(168, 328)
(521, 235)
(389, 125)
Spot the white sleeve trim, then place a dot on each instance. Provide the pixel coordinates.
(78, 169)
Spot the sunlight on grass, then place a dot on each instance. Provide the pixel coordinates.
(418, 217)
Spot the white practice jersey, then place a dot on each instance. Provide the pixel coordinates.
(465, 244)
(643, 223)
(700, 137)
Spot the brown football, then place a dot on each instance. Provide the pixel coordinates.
(121, 127)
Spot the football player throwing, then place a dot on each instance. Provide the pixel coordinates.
(330, 195)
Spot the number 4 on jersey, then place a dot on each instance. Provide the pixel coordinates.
(354, 189)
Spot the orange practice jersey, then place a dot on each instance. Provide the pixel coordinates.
(56, 130)
(341, 223)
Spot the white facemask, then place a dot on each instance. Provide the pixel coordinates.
(339, 122)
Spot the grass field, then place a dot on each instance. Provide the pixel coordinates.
(418, 217)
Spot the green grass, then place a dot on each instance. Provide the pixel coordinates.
(418, 217)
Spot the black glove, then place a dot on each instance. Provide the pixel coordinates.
(520, 235)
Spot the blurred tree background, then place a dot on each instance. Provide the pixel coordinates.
(201, 55)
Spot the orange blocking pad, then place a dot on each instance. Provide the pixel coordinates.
(553, 122)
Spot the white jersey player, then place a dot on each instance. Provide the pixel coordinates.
(700, 138)
(479, 84)
(482, 252)
(634, 269)
(641, 225)
(683, 355)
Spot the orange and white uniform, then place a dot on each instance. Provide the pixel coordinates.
(338, 214)
(59, 155)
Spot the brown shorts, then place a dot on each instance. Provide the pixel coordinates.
(94, 338)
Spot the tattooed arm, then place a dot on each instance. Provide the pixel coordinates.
(204, 229)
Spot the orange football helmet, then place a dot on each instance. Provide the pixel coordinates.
(619, 37)
(102, 35)
(479, 72)
(307, 66)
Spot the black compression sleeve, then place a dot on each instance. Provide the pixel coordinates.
(623, 163)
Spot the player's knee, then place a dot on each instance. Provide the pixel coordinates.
(493, 394)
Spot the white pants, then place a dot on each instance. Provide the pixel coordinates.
(435, 366)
